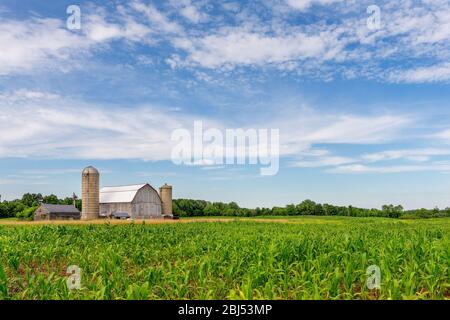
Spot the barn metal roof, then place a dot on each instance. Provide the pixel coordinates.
(120, 194)
(59, 208)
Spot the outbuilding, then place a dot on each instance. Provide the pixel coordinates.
(121, 215)
(56, 212)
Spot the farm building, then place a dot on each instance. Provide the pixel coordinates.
(140, 201)
(56, 212)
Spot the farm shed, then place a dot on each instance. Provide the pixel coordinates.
(56, 212)
(140, 201)
(120, 215)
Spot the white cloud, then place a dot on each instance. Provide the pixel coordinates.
(435, 73)
(174, 61)
(74, 130)
(354, 129)
(360, 168)
(434, 25)
(28, 45)
(7, 181)
(411, 34)
(23, 95)
(327, 161)
(45, 172)
(27, 181)
(444, 135)
(419, 155)
(191, 13)
(98, 29)
(188, 10)
(416, 160)
(300, 132)
(35, 42)
(60, 128)
(302, 5)
(156, 18)
(231, 6)
(237, 46)
(46, 43)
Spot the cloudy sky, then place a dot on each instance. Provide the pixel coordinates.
(363, 111)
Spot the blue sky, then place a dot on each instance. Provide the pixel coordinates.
(363, 113)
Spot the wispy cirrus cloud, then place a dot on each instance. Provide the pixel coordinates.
(23, 95)
(156, 18)
(413, 39)
(361, 168)
(409, 33)
(144, 132)
(35, 43)
(434, 73)
(57, 131)
(306, 4)
(445, 135)
(322, 161)
(389, 161)
(190, 10)
(240, 47)
(419, 155)
(45, 172)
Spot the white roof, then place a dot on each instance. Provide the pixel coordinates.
(119, 194)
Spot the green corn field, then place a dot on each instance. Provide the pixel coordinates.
(295, 258)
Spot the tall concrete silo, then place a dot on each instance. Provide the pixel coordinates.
(90, 186)
(165, 192)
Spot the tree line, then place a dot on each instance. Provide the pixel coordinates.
(199, 208)
(25, 207)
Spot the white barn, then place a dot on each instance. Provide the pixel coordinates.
(140, 201)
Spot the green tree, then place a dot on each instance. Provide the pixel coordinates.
(211, 210)
(307, 207)
(51, 199)
(31, 199)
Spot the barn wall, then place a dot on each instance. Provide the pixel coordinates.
(38, 215)
(146, 204)
(64, 216)
(109, 208)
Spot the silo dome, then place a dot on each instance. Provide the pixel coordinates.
(90, 185)
(90, 170)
